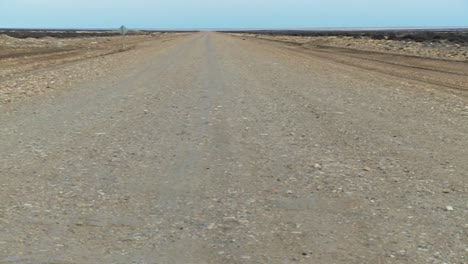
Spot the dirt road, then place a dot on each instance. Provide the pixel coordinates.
(214, 149)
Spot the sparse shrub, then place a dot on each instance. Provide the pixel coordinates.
(407, 37)
(378, 36)
(392, 36)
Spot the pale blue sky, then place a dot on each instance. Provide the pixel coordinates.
(231, 14)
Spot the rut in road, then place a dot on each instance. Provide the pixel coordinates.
(214, 149)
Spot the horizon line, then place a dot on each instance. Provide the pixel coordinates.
(246, 28)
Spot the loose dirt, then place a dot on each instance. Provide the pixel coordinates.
(442, 49)
(208, 148)
(33, 66)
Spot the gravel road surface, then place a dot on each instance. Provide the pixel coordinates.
(212, 148)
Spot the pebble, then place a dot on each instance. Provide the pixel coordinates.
(449, 208)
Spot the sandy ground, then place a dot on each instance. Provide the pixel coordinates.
(211, 148)
(448, 73)
(442, 49)
(34, 66)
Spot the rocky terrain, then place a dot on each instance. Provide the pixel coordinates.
(432, 48)
(210, 148)
(34, 65)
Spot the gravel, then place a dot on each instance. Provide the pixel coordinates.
(87, 176)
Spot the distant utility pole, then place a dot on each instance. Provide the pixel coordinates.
(123, 31)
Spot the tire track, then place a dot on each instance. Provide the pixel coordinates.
(452, 81)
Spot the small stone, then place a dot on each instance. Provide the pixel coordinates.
(366, 168)
(84, 205)
(449, 208)
(318, 166)
(289, 192)
(244, 221)
(446, 191)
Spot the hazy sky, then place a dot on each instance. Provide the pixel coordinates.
(231, 14)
